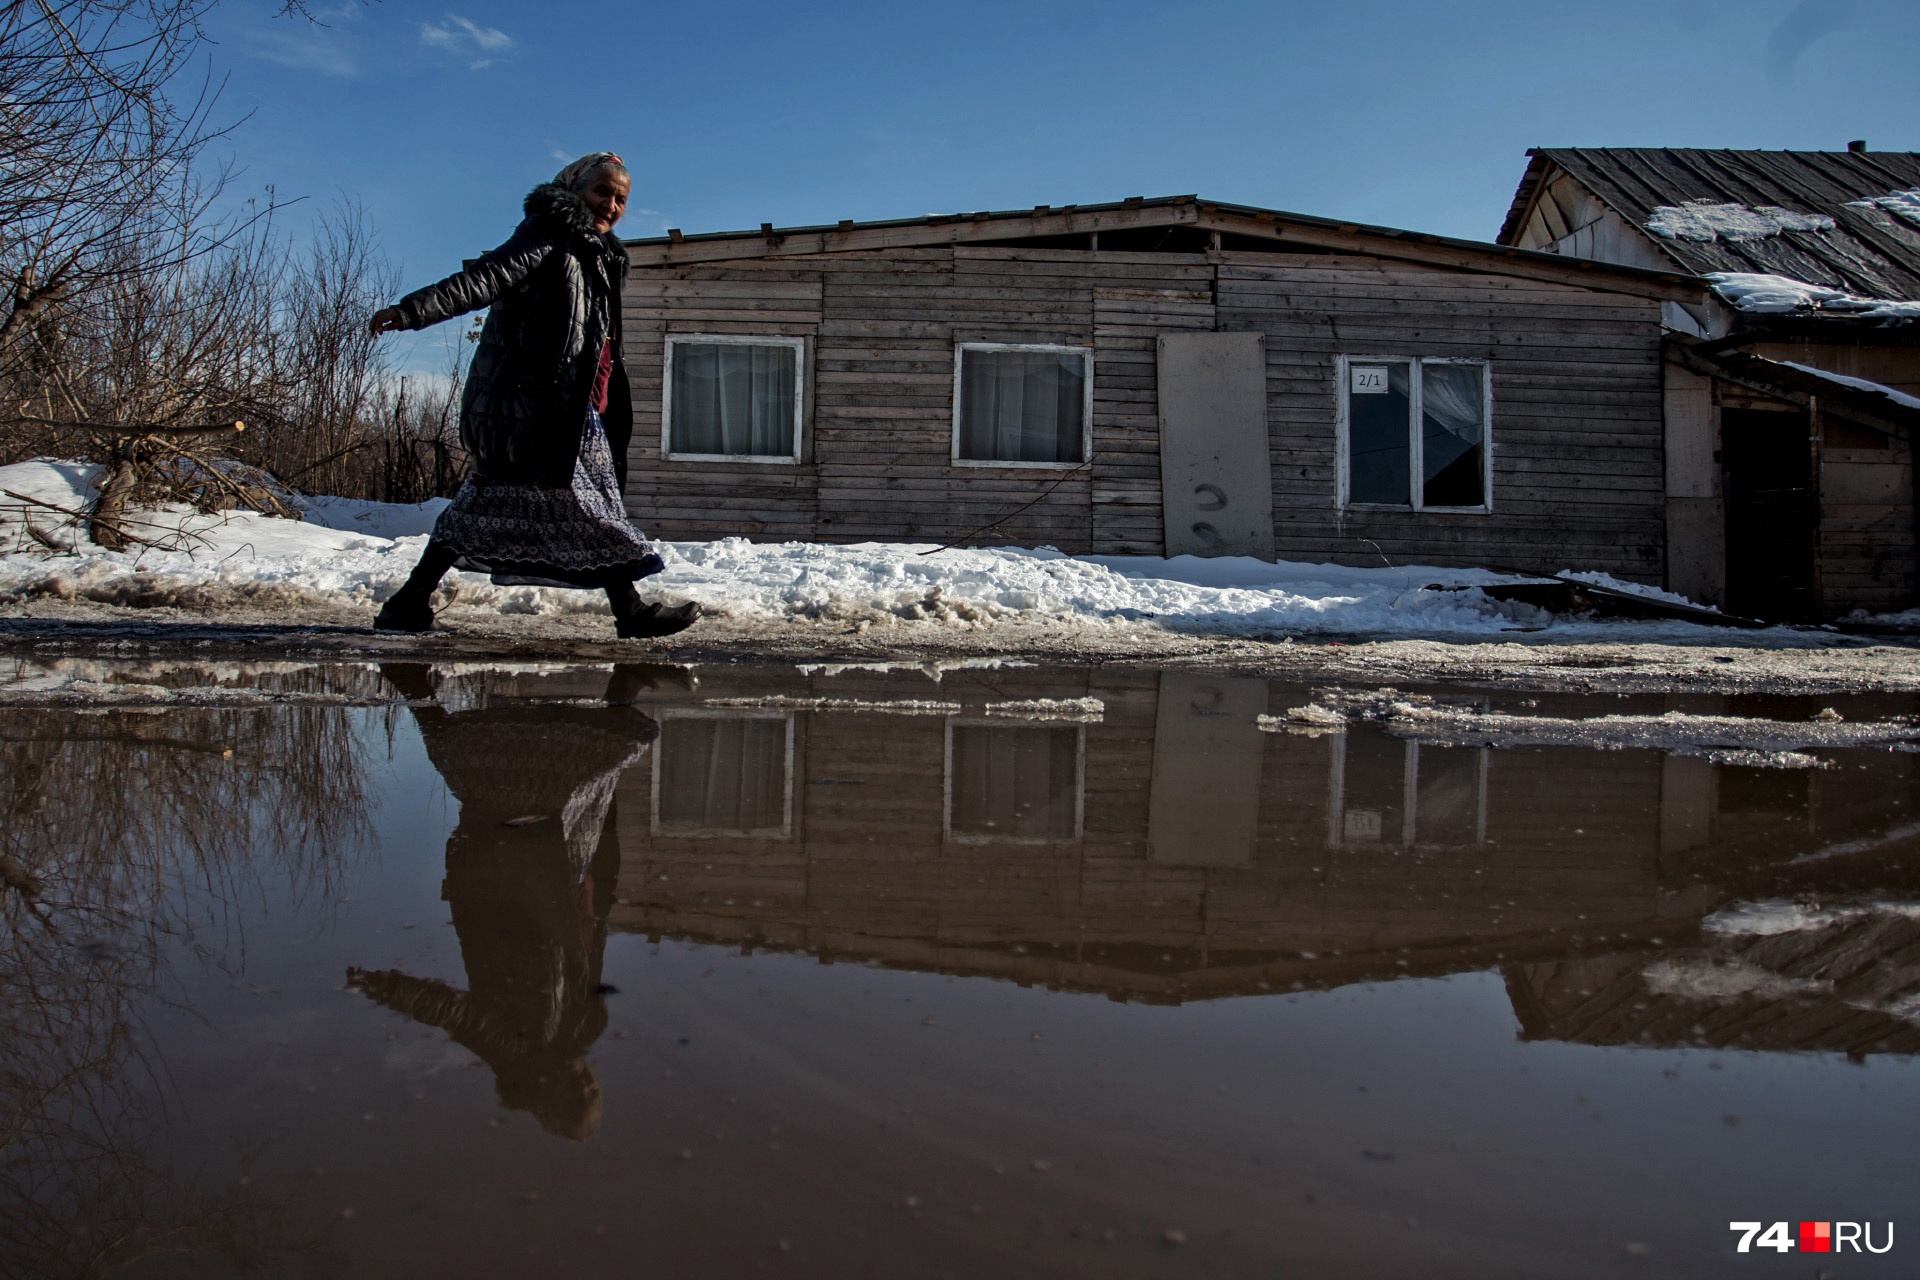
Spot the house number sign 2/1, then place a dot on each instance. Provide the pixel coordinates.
(1369, 380)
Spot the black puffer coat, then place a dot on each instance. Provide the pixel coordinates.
(554, 290)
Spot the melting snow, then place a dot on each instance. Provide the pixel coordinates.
(1742, 740)
(1898, 397)
(1904, 203)
(1774, 915)
(1703, 221)
(378, 519)
(1778, 295)
(1704, 980)
(293, 566)
(1640, 589)
(1084, 710)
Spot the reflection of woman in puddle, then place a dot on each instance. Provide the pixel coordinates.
(530, 872)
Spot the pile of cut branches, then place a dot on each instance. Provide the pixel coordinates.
(160, 466)
(151, 467)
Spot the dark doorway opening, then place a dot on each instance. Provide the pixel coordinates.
(1772, 514)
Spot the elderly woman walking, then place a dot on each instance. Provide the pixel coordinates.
(546, 414)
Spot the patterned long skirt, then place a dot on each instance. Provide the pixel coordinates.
(575, 537)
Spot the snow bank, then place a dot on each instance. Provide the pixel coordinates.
(1903, 620)
(1703, 221)
(376, 519)
(1778, 295)
(1238, 597)
(358, 553)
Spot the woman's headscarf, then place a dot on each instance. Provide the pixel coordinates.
(575, 175)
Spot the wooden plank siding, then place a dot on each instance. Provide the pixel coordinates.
(1577, 434)
(868, 875)
(1866, 554)
(1578, 454)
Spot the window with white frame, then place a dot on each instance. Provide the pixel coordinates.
(1387, 793)
(732, 397)
(1022, 404)
(1014, 784)
(1414, 433)
(724, 774)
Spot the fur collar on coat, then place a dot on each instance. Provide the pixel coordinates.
(555, 207)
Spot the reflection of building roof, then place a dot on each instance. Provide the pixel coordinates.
(1140, 970)
(1837, 988)
(1869, 248)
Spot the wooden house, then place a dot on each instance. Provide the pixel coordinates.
(1165, 376)
(1789, 392)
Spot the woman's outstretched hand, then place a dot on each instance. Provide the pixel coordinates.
(385, 320)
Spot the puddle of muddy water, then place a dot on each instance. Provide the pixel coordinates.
(407, 970)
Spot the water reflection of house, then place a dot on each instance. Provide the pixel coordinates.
(1847, 986)
(1170, 850)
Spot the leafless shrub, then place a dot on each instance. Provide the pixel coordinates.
(95, 146)
(165, 341)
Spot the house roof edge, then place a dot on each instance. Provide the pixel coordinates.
(938, 229)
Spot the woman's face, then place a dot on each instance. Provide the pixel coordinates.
(606, 196)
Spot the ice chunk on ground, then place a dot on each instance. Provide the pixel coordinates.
(1081, 710)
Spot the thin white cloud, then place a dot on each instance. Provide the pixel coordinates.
(467, 38)
(322, 45)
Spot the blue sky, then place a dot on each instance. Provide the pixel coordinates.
(731, 113)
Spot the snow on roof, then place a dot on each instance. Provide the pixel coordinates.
(1778, 295)
(1904, 203)
(1858, 384)
(1848, 223)
(1703, 221)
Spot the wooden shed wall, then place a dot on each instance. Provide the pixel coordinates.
(1576, 384)
(1866, 553)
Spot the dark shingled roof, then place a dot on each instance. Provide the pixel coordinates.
(1870, 251)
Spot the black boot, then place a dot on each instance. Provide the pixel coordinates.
(411, 607)
(634, 619)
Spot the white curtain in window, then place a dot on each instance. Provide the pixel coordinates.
(723, 774)
(1022, 406)
(1015, 783)
(732, 398)
(1450, 395)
